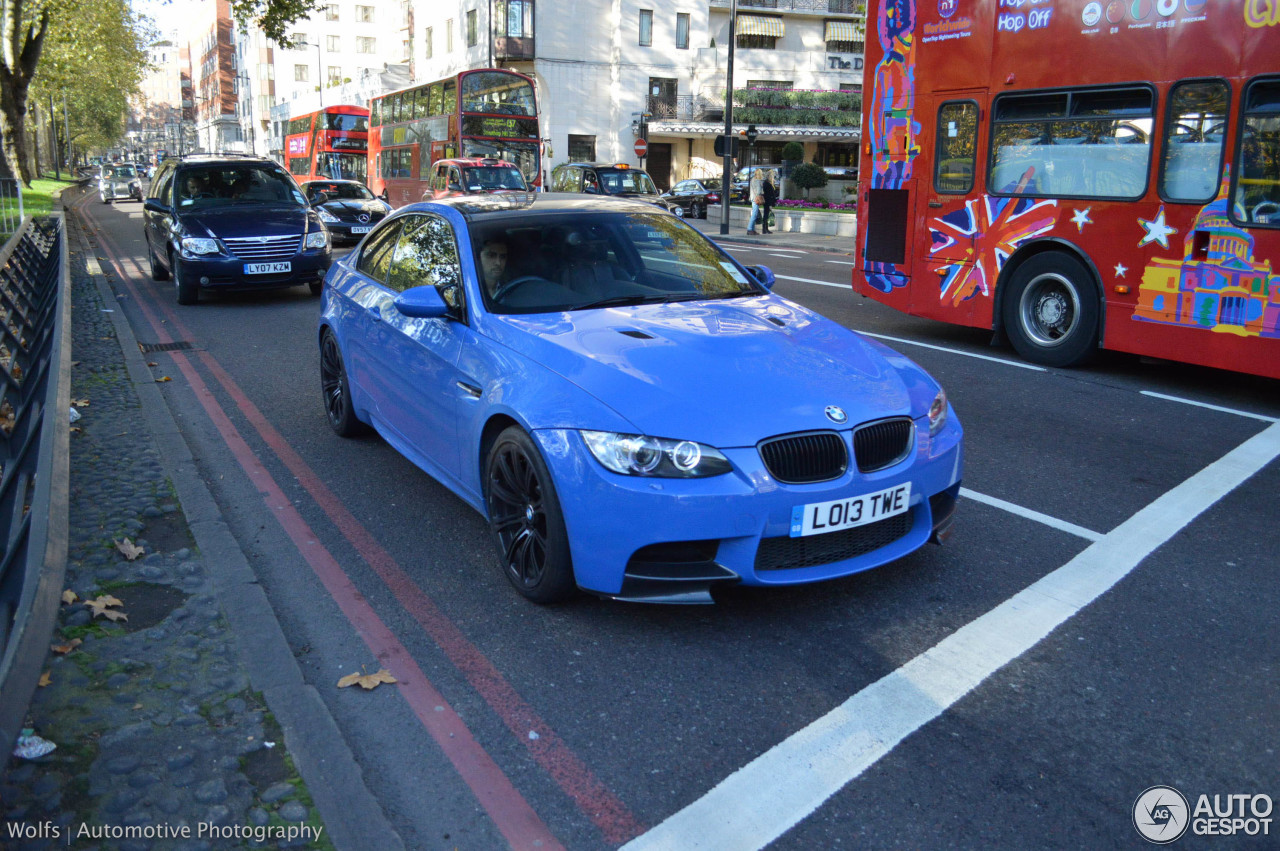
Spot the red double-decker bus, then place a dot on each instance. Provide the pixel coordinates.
(1078, 174)
(487, 112)
(331, 144)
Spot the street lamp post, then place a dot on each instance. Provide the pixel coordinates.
(319, 70)
(726, 181)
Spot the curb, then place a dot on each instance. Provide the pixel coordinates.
(352, 816)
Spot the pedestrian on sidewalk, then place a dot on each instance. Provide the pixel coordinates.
(755, 191)
(769, 194)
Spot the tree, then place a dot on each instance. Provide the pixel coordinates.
(808, 176)
(274, 17)
(20, 44)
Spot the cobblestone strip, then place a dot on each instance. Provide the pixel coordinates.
(186, 726)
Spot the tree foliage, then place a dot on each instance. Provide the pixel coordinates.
(808, 176)
(274, 17)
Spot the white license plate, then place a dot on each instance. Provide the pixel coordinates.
(817, 518)
(361, 229)
(266, 268)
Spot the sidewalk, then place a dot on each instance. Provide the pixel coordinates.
(185, 724)
(803, 241)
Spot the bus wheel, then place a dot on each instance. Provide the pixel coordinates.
(1051, 310)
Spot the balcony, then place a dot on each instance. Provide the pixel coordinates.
(765, 107)
(510, 48)
(807, 7)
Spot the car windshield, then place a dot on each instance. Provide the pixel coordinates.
(626, 182)
(339, 191)
(223, 185)
(488, 178)
(584, 261)
(126, 172)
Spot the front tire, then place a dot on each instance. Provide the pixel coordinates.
(316, 286)
(698, 211)
(336, 390)
(1051, 310)
(188, 291)
(158, 272)
(526, 521)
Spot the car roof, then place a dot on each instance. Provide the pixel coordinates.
(477, 162)
(621, 166)
(480, 207)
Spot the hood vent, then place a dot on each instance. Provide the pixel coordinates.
(639, 335)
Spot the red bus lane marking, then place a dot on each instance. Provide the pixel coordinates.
(608, 813)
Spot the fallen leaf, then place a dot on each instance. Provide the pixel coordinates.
(102, 603)
(166, 378)
(367, 681)
(44, 680)
(76, 428)
(112, 615)
(80, 403)
(128, 548)
(69, 596)
(64, 649)
(152, 363)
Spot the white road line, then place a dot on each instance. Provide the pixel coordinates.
(1004, 361)
(841, 262)
(845, 286)
(788, 256)
(767, 797)
(1238, 413)
(1061, 525)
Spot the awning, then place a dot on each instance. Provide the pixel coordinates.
(760, 25)
(843, 31)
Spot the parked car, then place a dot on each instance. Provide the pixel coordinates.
(475, 176)
(617, 179)
(347, 207)
(630, 408)
(119, 182)
(695, 196)
(742, 180)
(229, 222)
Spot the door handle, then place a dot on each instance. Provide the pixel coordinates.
(933, 202)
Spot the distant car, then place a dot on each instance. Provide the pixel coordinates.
(617, 179)
(347, 207)
(695, 196)
(119, 182)
(231, 222)
(474, 176)
(630, 408)
(841, 172)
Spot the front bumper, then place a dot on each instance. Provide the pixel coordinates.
(227, 273)
(672, 540)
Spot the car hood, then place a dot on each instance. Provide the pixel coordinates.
(240, 220)
(355, 207)
(723, 372)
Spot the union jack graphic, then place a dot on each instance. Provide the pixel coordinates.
(976, 241)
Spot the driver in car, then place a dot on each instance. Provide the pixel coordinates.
(493, 264)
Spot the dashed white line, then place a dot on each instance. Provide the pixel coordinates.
(1061, 525)
(848, 286)
(1004, 361)
(767, 797)
(1238, 413)
(841, 262)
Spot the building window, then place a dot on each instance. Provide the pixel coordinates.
(301, 73)
(448, 36)
(366, 44)
(331, 12)
(429, 38)
(514, 18)
(788, 85)
(364, 14)
(472, 38)
(582, 148)
(335, 75)
(758, 42)
(646, 27)
(333, 43)
(682, 31)
(299, 40)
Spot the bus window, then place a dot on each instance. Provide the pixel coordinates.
(1194, 141)
(957, 146)
(450, 105)
(1090, 144)
(434, 100)
(1258, 184)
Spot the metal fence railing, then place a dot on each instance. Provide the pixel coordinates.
(11, 212)
(35, 406)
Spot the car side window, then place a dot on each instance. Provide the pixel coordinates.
(160, 189)
(375, 257)
(426, 254)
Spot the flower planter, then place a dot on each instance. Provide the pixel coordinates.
(793, 220)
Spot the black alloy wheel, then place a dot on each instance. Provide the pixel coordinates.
(526, 521)
(336, 390)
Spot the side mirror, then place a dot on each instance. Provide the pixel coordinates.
(764, 276)
(424, 302)
(154, 205)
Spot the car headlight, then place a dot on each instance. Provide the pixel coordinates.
(198, 245)
(318, 239)
(938, 412)
(325, 215)
(641, 455)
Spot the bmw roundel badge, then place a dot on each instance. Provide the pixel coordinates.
(836, 414)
